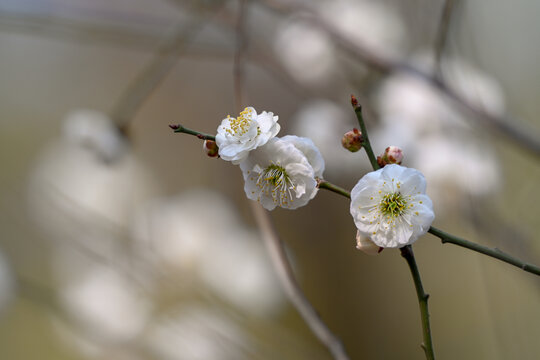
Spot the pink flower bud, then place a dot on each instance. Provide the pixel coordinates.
(391, 155)
(211, 148)
(352, 140)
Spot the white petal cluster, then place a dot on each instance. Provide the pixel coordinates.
(236, 137)
(283, 172)
(390, 206)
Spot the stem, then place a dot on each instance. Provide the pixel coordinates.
(365, 143)
(406, 251)
(493, 252)
(291, 287)
(427, 345)
(181, 129)
(323, 184)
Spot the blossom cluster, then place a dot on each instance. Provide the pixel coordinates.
(277, 171)
(389, 206)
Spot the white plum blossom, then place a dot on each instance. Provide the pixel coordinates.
(283, 172)
(236, 137)
(390, 206)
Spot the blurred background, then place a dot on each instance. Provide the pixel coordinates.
(123, 240)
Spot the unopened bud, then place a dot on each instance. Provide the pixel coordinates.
(354, 101)
(366, 245)
(391, 155)
(211, 148)
(352, 140)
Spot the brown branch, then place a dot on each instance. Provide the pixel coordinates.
(442, 31)
(240, 54)
(507, 127)
(292, 289)
(154, 73)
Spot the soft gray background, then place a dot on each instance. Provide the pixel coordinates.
(480, 308)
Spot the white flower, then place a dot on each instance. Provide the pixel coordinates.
(282, 173)
(390, 206)
(236, 137)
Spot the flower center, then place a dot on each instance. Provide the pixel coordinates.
(276, 183)
(241, 124)
(393, 205)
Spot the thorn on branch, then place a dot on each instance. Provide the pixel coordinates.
(174, 127)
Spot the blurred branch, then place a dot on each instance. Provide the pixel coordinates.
(273, 243)
(76, 31)
(148, 80)
(505, 126)
(442, 31)
(239, 55)
(288, 281)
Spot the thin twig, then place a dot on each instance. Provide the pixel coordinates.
(452, 239)
(407, 253)
(493, 252)
(292, 289)
(444, 236)
(200, 135)
(507, 127)
(323, 184)
(366, 145)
